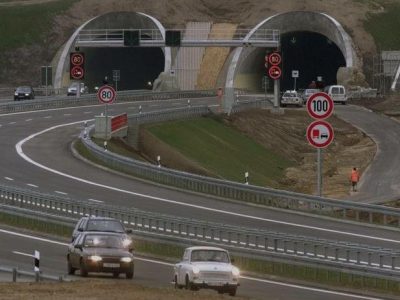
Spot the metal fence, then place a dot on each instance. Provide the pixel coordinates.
(346, 210)
(91, 99)
(249, 242)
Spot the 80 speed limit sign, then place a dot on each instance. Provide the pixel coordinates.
(320, 106)
(106, 94)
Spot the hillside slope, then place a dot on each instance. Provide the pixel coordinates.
(172, 13)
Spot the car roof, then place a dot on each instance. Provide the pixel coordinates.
(102, 233)
(100, 218)
(205, 248)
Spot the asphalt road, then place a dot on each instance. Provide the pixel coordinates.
(381, 181)
(47, 136)
(147, 272)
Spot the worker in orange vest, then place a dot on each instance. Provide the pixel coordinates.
(354, 178)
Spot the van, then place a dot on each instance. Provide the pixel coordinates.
(337, 93)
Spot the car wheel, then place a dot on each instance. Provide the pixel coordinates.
(232, 292)
(71, 270)
(176, 285)
(84, 272)
(129, 275)
(189, 285)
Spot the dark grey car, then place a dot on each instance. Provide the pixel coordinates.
(103, 224)
(24, 92)
(103, 252)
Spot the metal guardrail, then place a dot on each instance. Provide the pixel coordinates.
(91, 99)
(259, 243)
(346, 210)
(37, 276)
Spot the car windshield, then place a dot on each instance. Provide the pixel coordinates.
(289, 94)
(310, 92)
(337, 90)
(105, 225)
(24, 89)
(210, 255)
(103, 241)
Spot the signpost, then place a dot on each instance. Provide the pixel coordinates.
(295, 75)
(319, 133)
(274, 71)
(116, 77)
(106, 94)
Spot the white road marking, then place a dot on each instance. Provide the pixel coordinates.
(94, 200)
(171, 265)
(62, 193)
(32, 185)
(47, 117)
(28, 120)
(8, 178)
(22, 253)
(67, 115)
(87, 112)
(20, 152)
(12, 123)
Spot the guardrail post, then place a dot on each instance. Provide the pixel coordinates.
(380, 261)
(384, 219)
(370, 216)
(315, 250)
(295, 247)
(204, 232)
(164, 226)
(369, 258)
(358, 257)
(393, 262)
(247, 240)
(275, 245)
(14, 274)
(285, 246)
(212, 234)
(256, 241)
(347, 255)
(157, 225)
(187, 230)
(336, 254)
(229, 237)
(180, 228)
(238, 239)
(304, 248)
(195, 231)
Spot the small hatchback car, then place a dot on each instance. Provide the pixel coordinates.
(291, 98)
(24, 92)
(103, 224)
(103, 252)
(207, 267)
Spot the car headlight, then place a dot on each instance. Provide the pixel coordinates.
(196, 270)
(26, 94)
(15, 94)
(235, 272)
(126, 242)
(126, 259)
(95, 258)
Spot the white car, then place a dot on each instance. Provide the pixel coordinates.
(291, 98)
(207, 267)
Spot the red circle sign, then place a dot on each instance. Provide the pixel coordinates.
(77, 72)
(274, 58)
(275, 72)
(77, 59)
(319, 106)
(320, 134)
(106, 94)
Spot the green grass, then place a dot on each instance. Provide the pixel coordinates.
(222, 150)
(23, 25)
(384, 27)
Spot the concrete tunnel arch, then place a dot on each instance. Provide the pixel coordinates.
(296, 21)
(113, 20)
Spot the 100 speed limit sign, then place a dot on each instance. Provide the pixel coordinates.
(320, 106)
(106, 94)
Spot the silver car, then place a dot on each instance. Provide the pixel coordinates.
(207, 267)
(291, 98)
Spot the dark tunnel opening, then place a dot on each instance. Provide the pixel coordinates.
(313, 55)
(138, 66)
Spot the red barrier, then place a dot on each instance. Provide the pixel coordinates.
(119, 122)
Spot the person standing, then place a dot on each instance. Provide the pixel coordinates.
(354, 178)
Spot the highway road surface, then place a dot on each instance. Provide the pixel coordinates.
(148, 272)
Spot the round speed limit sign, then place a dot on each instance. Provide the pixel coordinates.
(320, 106)
(106, 94)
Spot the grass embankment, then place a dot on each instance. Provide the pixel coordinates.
(222, 150)
(383, 27)
(23, 25)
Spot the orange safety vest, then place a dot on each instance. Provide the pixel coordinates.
(354, 176)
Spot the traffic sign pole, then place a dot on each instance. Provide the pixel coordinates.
(319, 172)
